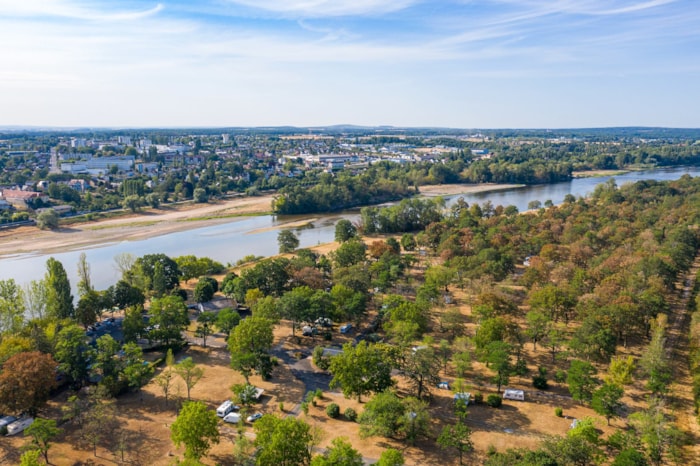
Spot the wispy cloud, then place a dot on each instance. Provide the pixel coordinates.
(72, 10)
(325, 8)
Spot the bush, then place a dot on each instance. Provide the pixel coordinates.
(494, 401)
(540, 382)
(321, 361)
(350, 414)
(478, 398)
(558, 412)
(491, 450)
(332, 410)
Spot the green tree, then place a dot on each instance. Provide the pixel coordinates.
(47, 220)
(537, 326)
(12, 307)
(89, 307)
(361, 369)
(408, 242)
(382, 416)
(84, 280)
(133, 202)
(72, 353)
(422, 368)
(133, 325)
(226, 319)
(349, 253)
(295, 305)
(606, 401)
(205, 326)
(283, 442)
(60, 300)
(287, 241)
(26, 381)
(456, 436)
(169, 314)
(249, 344)
(42, 432)
(345, 231)
(498, 358)
(205, 289)
(190, 373)
(196, 428)
(390, 457)
(165, 379)
(134, 372)
(125, 295)
(200, 196)
(630, 457)
(581, 380)
(30, 458)
(340, 453)
(657, 432)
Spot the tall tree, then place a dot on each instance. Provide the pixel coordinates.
(195, 428)
(84, 280)
(340, 453)
(361, 369)
(72, 353)
(456, 436)
(422, 368)
(26, 381)
(249, 344)
(11, 307)
(287, 241)
(36, 299)
(345, 231)
(606, 401)
(165, 379)
(169, 313)
(282, 442)
(42, 432)
(205, 326)
(190, 373)
(581, 380)
(60, 300)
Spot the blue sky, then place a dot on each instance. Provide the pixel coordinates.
(461, 63)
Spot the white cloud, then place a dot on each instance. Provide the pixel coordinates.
(324, 8)
(70, 9)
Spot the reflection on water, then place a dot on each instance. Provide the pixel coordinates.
(229, 242)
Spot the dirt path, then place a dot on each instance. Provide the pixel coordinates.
(681, 400)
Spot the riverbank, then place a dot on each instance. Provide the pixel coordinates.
(150, 223)
(147, 223)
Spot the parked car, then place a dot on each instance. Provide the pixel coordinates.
(254, 417)
(345, 328)
(232, 418)
(308, 331)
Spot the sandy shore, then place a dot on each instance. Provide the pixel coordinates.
(454, 189)
(156, 222)
(145, 224)
(598, 173)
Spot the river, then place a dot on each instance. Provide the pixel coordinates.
(234, 240)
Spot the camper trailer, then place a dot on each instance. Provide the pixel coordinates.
(512, 394)
(19, 425)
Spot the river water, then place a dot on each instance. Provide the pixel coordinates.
(231, 241)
